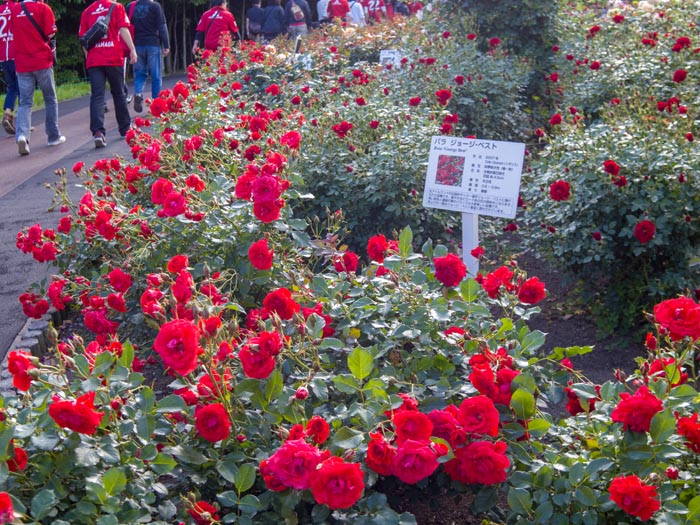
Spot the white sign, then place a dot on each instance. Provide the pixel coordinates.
(390, 56)
(474, 176)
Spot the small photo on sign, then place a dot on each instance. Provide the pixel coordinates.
(449, 170)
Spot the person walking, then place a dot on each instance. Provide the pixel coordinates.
(275, 21)
(297, 14)
(150, 36)
(357, 14)
(217, 27)
(338, 9)
(322, 11)
(7, 66)
(104, 63)
(254, 18)
(33, 26)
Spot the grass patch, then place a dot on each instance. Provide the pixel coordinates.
(63, 92)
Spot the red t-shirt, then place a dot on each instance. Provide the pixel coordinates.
(374, 9)
(7, 47)
(32, 52)
(215, 23)
(338, 8)
(108, 51)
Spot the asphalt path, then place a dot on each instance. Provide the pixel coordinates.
(25, 199)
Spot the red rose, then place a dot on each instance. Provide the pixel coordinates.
(317, 429)
(256, 364)
(183, 287)
(177, 343)
(689, 428)
(658, 368)
(377, 247)
(267, 211)
(178, 263)
(636, 411)
(449, 270)
(337, 484)
(119, 280)
(531, 291)
(414, 101)
(560, 190)
(18, 364)
(204, 514)
(680, 317)
(480, 462)
(174, 204)
(679, 75)
(380, 454)
(272, 89)
(79, 415)
(7, 513)
(280, 302)
(479, 415)
(555, 119)
(294, 463)
(212, 422)
(644, 231)
(611, 167)
(18, 462)
(443, 96)
(291, 139)
(493, 42)
(342, 129)
(414, 461)
(348, 262)
(447, 427)
(634, 496)
(412, 425)
(493, 281)
(260, 255)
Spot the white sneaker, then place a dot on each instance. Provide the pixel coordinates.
(59, 140)
(23, 146)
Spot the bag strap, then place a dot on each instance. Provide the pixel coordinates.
(211, 21)
(31, 19)
(109, 13)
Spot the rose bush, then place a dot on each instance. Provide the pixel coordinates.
(627, 217)
(239, 367)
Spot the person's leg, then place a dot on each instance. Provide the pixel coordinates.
(121, 109)
(97, 79)
(23, 122)
(47, 85)
(11, 95)
(140, 71)
(155, 67)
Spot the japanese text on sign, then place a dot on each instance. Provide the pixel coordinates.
(474, 176)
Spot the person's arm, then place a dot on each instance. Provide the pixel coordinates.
(126, 37)
(163, 31)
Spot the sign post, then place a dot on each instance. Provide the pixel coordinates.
(473, 176)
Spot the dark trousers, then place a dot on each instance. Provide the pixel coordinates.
(98, 75)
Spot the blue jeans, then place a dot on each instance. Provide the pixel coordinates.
(10, 76)
(27, 83)
(149, 62)
(98, 75)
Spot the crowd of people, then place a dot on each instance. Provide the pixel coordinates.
(295, 18)
(137, 34)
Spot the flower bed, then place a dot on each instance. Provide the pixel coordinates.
(301, 372)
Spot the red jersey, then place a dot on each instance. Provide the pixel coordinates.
(32, 52)
(374, 10)
(108, 51)
(215, 23)
(7, 48)
(338, 8)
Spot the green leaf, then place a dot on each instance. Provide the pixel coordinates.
(114, 481)
(245, 477)
(405, 242)
(42, 504)
(227, 470)
(538, 427)
(586, 495)
(188, 454)
(331, 343)
(171, 403)
(560, 353)
(346, 438)
(360, 363)
(663, 426)
(274, 386)
(544, 512)
(127, 356)
(250, 504)
(108, 520)
(532, 341)
(346, 383)
(320, 389)
(520, 501)
(523, 403)
(86, 456)
(469, 290)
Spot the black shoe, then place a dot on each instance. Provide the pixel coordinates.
(100, 141)
(138, 103)
(8, 122)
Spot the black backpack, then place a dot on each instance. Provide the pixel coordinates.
(98, 30)
(402, 9)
